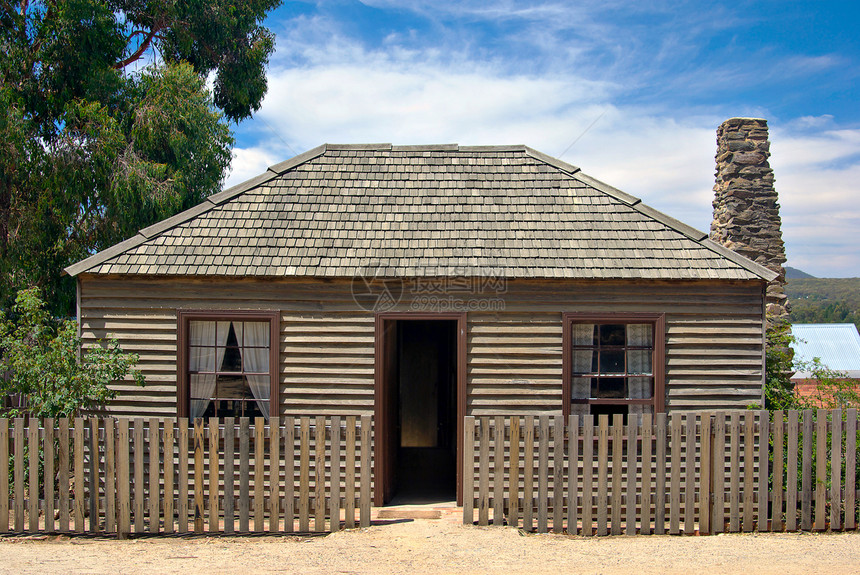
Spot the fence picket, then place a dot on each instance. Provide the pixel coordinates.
(735, 466)
(528, 474)
(260, 472)
(168, 476)
(630, 495)
(660, 477)
(617, 470)
(289, 434)
(154, 476)
(777, 521)
(484, 474)
(675, 475)
(213, 483)
(304, 475)
(498, 471)
(33, 468)
(468, 470)
(48, 511)
(349, 496)
(334, 501)
(690, 474)
(820, 469)
(93, 490)
(706, 459)
(850, 469)
(18, 474)
(123, 483)
(183, 476)
(806, 477)
(572, 474)
(80, 488)
(602, 473)
(110, 478)
(646, 501)
(229, 475)
(836, 470)
(543, 468)
(791, 473)
(763, 470)
(513, 474)
(244, 475)
(718, 516)
(558, 475)
(139, 450)
(319, 468)
(364, 498)
(199, 448)
(275, 475)
(587, 475)
(749, 470)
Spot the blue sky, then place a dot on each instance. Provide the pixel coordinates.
(631, 92)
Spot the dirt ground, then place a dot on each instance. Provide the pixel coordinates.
(436, 546)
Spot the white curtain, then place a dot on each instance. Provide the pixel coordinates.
(583, 334)
(255, 357)
(206, 351)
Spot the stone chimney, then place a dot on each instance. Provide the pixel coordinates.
(746, 212)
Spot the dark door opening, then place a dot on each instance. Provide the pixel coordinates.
(417, 405)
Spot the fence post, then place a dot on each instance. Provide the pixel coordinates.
(836, 470)
(850, 469)
(498, 471)
(706, 459)
(4, 475)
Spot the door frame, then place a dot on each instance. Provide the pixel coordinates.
(382, 467)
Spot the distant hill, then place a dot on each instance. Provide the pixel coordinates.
(824, 300)
(796, 274)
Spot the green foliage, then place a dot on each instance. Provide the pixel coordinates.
(824, 300)
(92, 148)
(40, 358)
(778, 387)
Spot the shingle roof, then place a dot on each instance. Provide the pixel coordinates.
(837, 345)
(423, 211)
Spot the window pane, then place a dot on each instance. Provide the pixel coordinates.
(640, 335)
(256, 334)
(640, 387)
(612, 334)
(638, 410)
(201, 333)
(201, 359)
(584, 334)
(232, 387)
(611, 361)
(584, 361)
(639, 361)
(581, 388)
(611, 387)
(232, 360)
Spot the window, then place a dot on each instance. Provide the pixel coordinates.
(228, 364)
(613, 363)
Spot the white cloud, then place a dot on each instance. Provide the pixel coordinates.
(339, 91)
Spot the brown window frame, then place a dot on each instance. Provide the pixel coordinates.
(182, 379)
(658, 359)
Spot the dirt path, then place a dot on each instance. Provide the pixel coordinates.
(437, 546)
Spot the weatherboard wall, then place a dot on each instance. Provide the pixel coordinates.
(514, 339)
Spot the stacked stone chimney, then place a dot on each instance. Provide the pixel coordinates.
(746, 212)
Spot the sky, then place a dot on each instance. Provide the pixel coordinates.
(630, 92)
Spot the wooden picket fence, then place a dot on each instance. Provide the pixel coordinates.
(697, 472)
(163, 476)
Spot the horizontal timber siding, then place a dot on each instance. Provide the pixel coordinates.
(713, 339)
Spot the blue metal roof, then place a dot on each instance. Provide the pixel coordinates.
(837, 345)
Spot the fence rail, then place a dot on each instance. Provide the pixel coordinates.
(700, 472)
(168, 476)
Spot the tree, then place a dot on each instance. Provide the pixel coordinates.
(107, 124)
(40, 359)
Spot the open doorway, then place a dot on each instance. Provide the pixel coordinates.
(418, 408)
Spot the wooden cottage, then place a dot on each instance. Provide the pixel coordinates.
(421, 284)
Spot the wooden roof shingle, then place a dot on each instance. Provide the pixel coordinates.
(423, 211)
